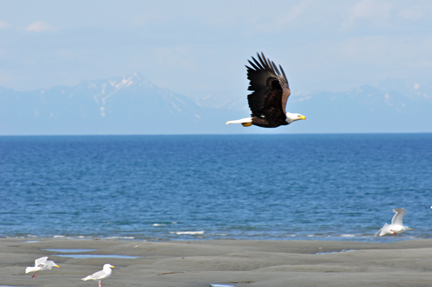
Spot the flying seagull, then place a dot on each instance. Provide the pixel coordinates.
(396, 226)
(100, 275)
(270, 92)
(41, 264)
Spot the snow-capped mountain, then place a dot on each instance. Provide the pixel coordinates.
(367, 110)
(134, 105)
(126, 105)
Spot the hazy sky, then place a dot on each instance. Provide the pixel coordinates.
(199, 48)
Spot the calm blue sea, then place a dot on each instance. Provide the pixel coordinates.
(277, 187)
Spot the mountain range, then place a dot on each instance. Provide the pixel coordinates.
(134, 105)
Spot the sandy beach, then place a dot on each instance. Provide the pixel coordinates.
(232, 262)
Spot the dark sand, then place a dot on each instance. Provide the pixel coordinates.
(236, 262)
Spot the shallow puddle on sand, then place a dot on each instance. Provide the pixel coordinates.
(98, 256)
(70, 250)
(330, 252)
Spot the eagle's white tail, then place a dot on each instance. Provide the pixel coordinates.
(247, 121)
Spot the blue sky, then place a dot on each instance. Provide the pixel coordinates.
(199, 48)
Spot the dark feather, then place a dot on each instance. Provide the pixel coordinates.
(270, 90)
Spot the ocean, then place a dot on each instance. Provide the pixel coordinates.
(200, 187)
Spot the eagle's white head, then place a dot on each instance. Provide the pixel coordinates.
(291, 117)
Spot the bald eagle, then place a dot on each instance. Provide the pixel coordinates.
(270, 92)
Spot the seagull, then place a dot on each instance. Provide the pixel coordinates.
(100, 275)
(396, 225)
(41, 264)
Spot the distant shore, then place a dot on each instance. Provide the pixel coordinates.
(231, 262)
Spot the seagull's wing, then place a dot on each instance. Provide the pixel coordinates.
(41, 261)
(377, 233)
(383, 230)
(96, 276)
(397, 218)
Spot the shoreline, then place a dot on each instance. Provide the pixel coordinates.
(233, 262)
(199, 236)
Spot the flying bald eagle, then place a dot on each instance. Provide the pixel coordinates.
(269, 97)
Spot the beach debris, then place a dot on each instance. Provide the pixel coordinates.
(396, 226)
(41, 264)
(100, 275)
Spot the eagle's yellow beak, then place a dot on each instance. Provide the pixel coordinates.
(57, 266)
(302, 117)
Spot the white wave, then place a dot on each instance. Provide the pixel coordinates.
(59, 236)
(348, 235)
(159, 224)
(187, 232)
(120, 237)
(330, 252)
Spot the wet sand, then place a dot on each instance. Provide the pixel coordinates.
(233, 262)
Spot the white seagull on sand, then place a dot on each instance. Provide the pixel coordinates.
(100, 275)
(396, 225)
(41, 264)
